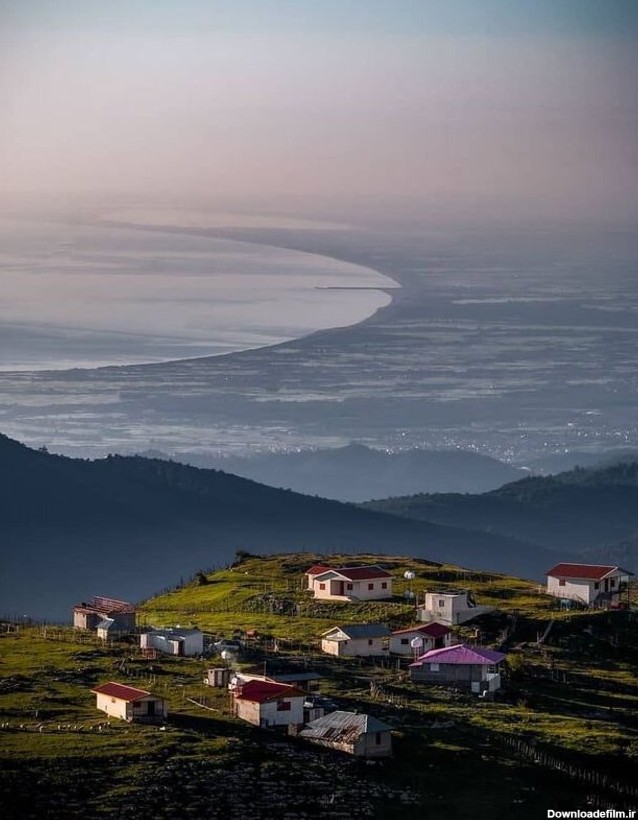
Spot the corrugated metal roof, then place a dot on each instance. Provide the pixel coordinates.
(101, 604)
(461, 654)
(432, 630)
(120, 691)
(343, 727)
(589, 572)
(354, 631)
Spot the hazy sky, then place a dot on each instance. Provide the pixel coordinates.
(523, 105)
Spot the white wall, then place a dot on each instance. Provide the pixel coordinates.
(365, 647)
(340, 590)
(127, 710)
(193, 643)
(577, 589)
(267, 714)
(398, 647)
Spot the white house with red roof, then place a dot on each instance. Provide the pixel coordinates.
(415, 640)
(367, 583)
(473, 668)
(316, 569)
(129, 703)
(267, 704)
(589, 584)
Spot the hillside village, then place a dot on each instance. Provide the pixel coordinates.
(250, 686)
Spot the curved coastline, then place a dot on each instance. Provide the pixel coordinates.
(276, 334)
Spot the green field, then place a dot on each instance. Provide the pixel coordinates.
(569, 713)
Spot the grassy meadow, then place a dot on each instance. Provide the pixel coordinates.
(569, 703)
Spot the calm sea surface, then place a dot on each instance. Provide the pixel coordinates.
(82, 296)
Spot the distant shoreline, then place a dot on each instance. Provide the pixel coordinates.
(277, 329)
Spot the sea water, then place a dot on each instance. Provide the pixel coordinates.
(85, 296)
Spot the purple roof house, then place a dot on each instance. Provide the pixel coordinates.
(472, 668)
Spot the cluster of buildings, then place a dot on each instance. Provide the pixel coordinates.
(290, 700)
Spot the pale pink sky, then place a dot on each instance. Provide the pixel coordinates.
(540, 121)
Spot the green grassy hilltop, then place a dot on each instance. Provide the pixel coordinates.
(564, 734)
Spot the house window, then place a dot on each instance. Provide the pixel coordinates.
(562, 582)
(434, 667)
(596, 585)
(370, 586)
(377, 738)
(348, 586)
(283, 705)
(404, 641)
(322, 586)
(441, 602)
(370, 641)
(611, 582)
(384, 584)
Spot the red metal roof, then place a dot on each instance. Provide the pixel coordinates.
(592, 572)
(316, 569)
(359, 573)
(120, 691)
(432, 630)
(261, 691)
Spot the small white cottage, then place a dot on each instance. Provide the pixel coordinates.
(588, 584)
(130, 704)
(352, 640)
(369, 583)
(268, 704)
(174, 641)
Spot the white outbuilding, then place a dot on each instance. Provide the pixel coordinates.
(174, 641)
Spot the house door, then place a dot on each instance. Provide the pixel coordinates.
(150, 708)
(339, 590)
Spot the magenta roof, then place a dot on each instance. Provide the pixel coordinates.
(461, 654)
